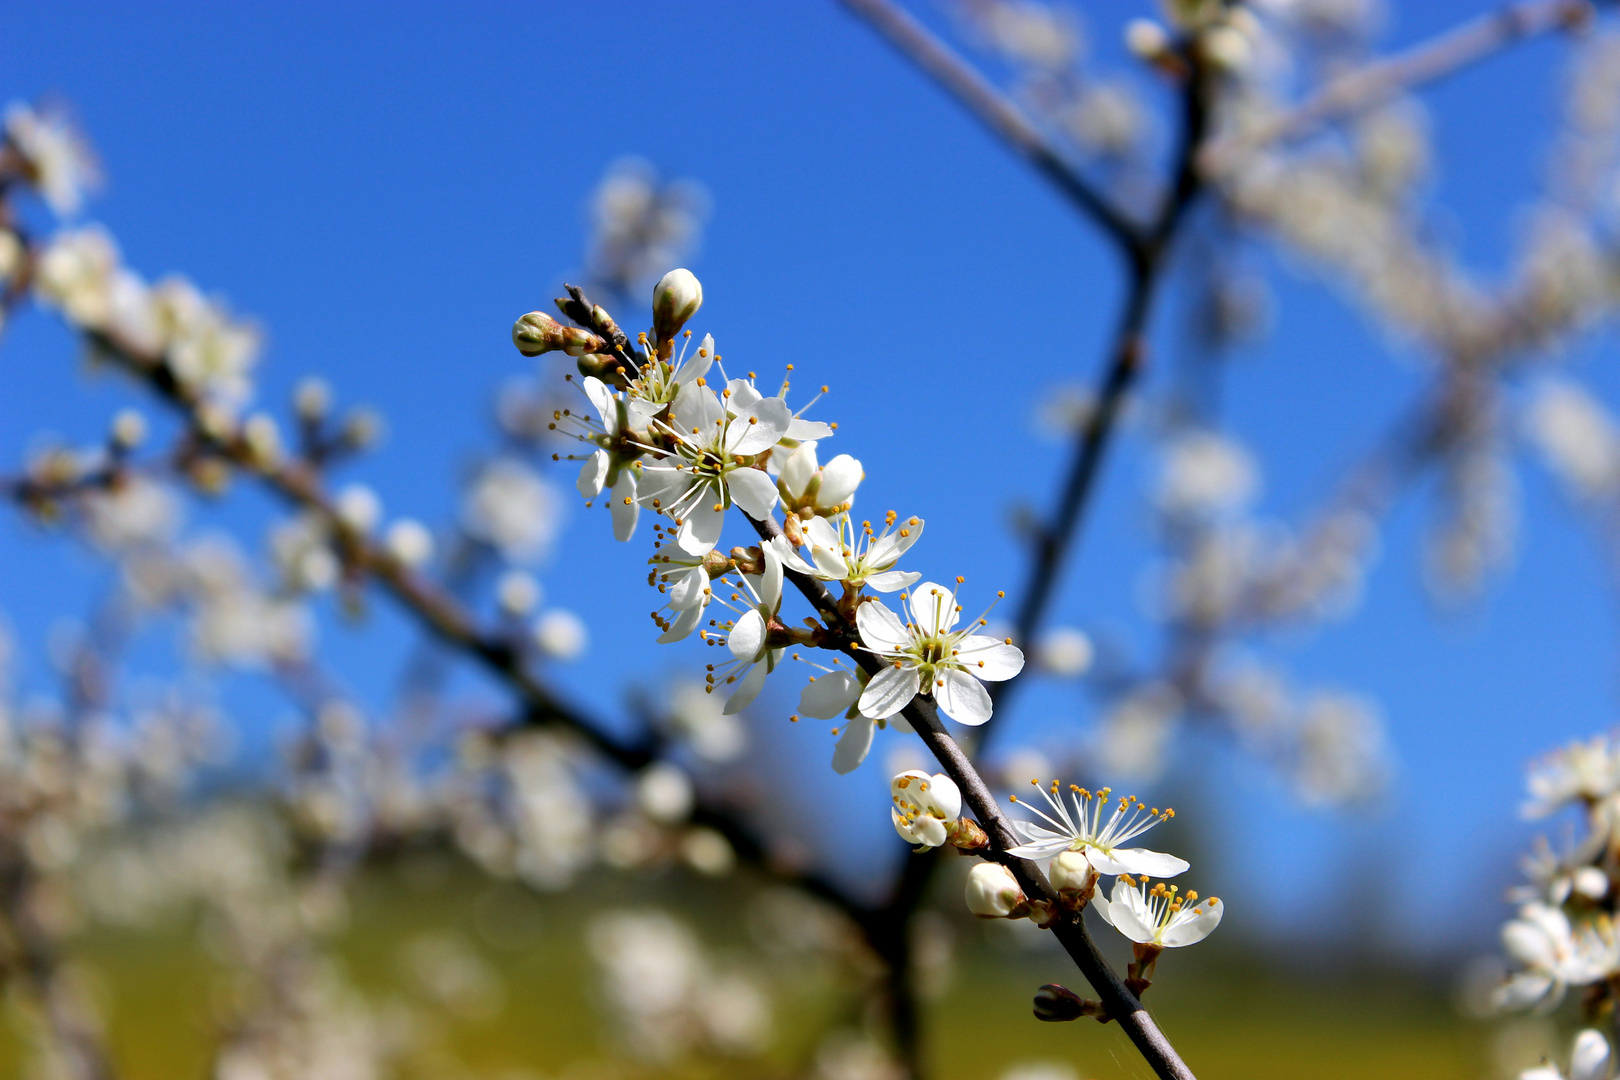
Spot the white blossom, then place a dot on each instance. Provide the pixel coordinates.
(748, 637)
(924, 806)
(818, 489)
(707, 473)
(55, 154)
(511, 509)
(839, 551)
(1589, 1059)
(1101, 839)
(619, 425)
(1160, 915)
(926, 654)
(1554, 955)
(560, 634)
(1580, 772)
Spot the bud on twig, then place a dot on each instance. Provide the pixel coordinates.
(676, 298)
(537, 333)
(1055, 1004)
(966, 834)
(993, 893)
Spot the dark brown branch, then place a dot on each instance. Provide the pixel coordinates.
(997, 113)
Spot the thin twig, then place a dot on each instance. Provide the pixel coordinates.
(997, 113)
(1380, 80)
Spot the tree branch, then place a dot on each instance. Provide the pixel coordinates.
(997, 113)
(1381, 79)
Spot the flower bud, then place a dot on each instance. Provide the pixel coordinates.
(409, 541)
(537, 333)
(924, 806)
(517, 593)
(839, 479)
(676, 298)
(1146, 39)
(992, 892)
(359, 508)
(1073, 877)
(1055, 1004)
(716, 564)
(312, 400)
(128, 430)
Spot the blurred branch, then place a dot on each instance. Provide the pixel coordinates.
(1054, 538)
(1381, 79)
(997, 113)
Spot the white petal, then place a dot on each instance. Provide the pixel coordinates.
(790, 558)
(624, 506)
(889, 691)
(1130, 921)
(802, 430)
(880, 628)
(830, 562)
(685, 622)
(892, 580)
(944, 796)
(1528, 944)
(602, 398)
(742, 394)
(770, 582)
(1139, 861)
(747, 638)
(593, 474)
(853, 745)
(753, 490)
(990, 659)
(1192, 925)
(699, 363)
(640, 412)
(797, 470)
(686, 589)
(930, 830)
(700, 529)
(830, 696)
(696, 407)
(962, 697)
(1590, 1058)
(770, 418)
(1523, 990)
(839, 479)
(933, 607)
(1041, 849)
(822, 532)
(746, 691)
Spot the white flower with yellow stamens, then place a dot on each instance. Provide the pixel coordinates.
(1101, 839)
(710, 468)
(928, 655)
(812, 488)
(924, 806)
(748, 637)
(1159, 914)
(841, 552)
(615, 433)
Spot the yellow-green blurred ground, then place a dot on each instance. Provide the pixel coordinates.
(1229, 1016)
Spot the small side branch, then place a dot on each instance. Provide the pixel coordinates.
(997, 113)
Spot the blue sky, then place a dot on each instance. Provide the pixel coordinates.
(386, 193)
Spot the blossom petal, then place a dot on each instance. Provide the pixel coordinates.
(1590, 1058)
(934, 608)
(790, 558)
(686, 588)
(839, 479)
(829, 696)
(696, 407)
(990, 659)
(698, 364)
(593, 474)
(602, 398)
(624, 507)
(889, 691)
(803, 430)
(683, 624)
(1041, 849)
(797, 470)
(758, 427)
(1139, 861)
(822, 532)
(830, 562)
(881, 629)
(892, 580)
(747, 638)
(700, 529)
(770, 582)
(740, 393)
(746, 691)
(853, 745)
(962, 697)
(753, 490)
(1192, 925)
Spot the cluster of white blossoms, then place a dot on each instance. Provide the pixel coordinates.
(1080, 841)
(667, 430)
(1562, 936)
